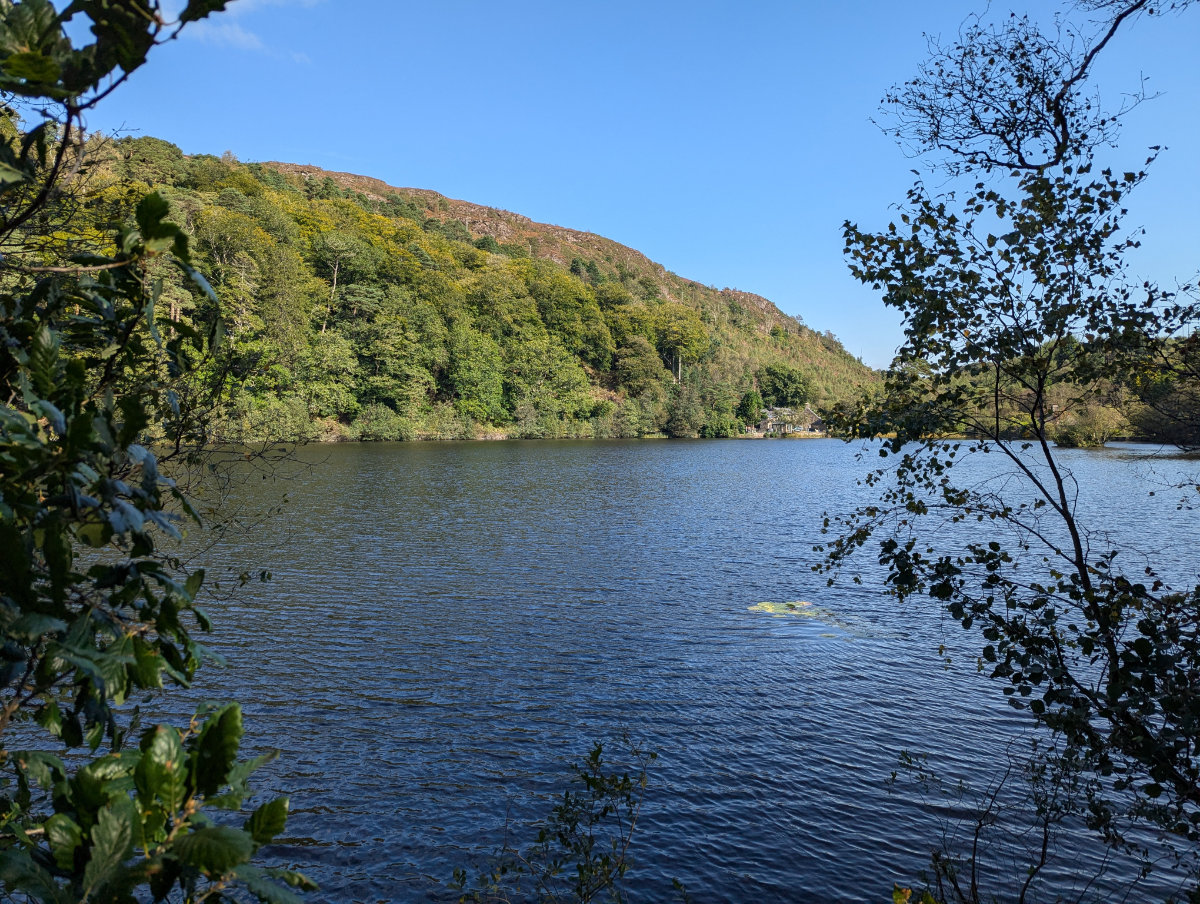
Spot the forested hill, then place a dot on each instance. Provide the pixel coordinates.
(359, 310)
(524, 237)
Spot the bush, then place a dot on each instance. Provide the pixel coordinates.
(379, 423)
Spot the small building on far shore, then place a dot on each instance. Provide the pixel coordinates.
(785, 421)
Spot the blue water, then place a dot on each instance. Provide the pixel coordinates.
(450, 625)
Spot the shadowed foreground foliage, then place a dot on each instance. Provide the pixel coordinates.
(101, 398)
(1018, 303)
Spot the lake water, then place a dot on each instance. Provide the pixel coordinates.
(450, 625)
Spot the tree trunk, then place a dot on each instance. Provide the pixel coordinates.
(332, 295)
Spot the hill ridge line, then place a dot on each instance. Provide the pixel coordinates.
(506, 226)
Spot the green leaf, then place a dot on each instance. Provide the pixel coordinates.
(95, 533)
(50, 718)
(150, 213)
(112, 843)
(216, 748)
(64, 836)
(31, 626)
(268, 821)
(194, 581)
(43, 768)
(262, 886)
(215, 850)
(241, 771)
(148, 664)
(10, 175)
(199, 9)
(31, 66)
(162, 772)
(18, 873)
(163, 877)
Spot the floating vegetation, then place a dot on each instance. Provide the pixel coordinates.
(799, 607)
(805, 609)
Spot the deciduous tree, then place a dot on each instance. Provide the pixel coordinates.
(1012, 279)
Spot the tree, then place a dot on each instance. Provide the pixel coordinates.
(544, 385)
(638, 366)
(1166, 385)
(685, 412)
(782, 386)
(750, 408)
(344, 257)
(681, 336)
(581, 854)
(1013, 282)
(476, 375)
(93, 609)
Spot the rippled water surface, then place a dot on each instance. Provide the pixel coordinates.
(450, 625)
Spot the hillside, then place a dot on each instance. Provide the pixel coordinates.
(356, 309)
(539, 240)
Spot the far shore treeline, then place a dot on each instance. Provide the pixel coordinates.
(353, 310)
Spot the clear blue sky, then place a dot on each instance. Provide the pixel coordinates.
(726, 140)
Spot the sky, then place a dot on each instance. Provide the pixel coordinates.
(728, 141)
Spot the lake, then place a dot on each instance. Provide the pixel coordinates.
(450, 625)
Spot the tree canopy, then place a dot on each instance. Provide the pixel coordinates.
(380, 315)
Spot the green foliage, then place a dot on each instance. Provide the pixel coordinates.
(686, 416)
(750, 408)
(1164, 382)
(638, 366)
(476, 374)
(681, 335)
(376, 317)
(581, 854)
(782, 386)
(1020, 317)
(95, 382)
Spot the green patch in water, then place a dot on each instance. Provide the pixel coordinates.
(827, 617)
(782, 610)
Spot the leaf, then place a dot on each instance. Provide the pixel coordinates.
(232, 799)
(112, 843)
(161, 772)
(268, 821)
(148, 665)
(32, 66)
(18, 873)
(199, 9)
(95, 533)
(262, 886)
(65, 836)
(31, 626)
(52, 415)
(216, 748)
(10, 175)
(164, 877)
(50, 718)
(43, 768)
(215, 850)
(150, 214)
(194, 581)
